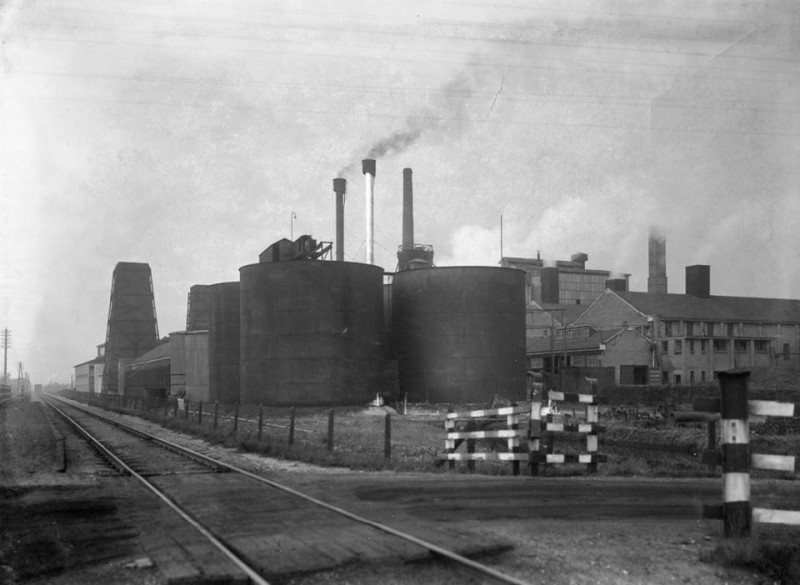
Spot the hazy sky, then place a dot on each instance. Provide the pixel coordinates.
(184, 134)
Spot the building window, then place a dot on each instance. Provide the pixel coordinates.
(691, 376)
(667, 328)
(678, 346)
(691, 346)
(709, 329)
(702, 375)
(786, 352)
(740, 346)
(677, 379)
(689, 328)
(721, 345)
(731, 329)
(761, 345)
(703, 345)
(665, 346)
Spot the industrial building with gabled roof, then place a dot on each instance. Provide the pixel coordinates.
(695, 335)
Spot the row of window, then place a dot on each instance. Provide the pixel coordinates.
(693, 377)
(704, 328)
(718, 345)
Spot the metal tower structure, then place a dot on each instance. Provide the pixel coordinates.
(132, 324)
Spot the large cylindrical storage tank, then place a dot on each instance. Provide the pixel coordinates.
(311, 333)
(459, 333)
(223, 342)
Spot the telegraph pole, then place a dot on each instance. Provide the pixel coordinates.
(6, 344)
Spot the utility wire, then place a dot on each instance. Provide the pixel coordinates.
(428, 50)
(383, 59)
(422, 20)
(345, 113)
(531, 97)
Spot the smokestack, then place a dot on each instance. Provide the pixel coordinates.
(408, 210)
(368, 168)
(657, 253)
(340, 188)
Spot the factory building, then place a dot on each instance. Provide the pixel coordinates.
(685, 338)
(564, 282)
(302, 329)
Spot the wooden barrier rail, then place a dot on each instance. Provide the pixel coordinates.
(735, 457)
(470, 433)
(545, 429)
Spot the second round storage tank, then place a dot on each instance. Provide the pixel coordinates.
(311, 333)
(223, 342)
(459, 333)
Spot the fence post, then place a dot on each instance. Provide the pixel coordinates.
(330, 431)
(175, 408)
(260, 420)
(200, 414)
(513, 444)
(534, 433)
(236, 419)
(387, 439)
(592, 416)
(450, 444)
(216, 412)
(185, 409)
(291, 426)
(735, 453)
(471, 450)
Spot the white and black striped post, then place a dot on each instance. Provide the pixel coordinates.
(735, 453)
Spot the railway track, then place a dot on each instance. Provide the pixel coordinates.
(249, 528)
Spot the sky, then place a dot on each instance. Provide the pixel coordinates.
(192, 135)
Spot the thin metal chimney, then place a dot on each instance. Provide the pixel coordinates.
(408, 210)
(368, 168)
(340, 188)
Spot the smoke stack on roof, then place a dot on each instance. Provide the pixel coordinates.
(368, 168)
(408, 209)
(657, 254)
(340, 188)
(698, 281)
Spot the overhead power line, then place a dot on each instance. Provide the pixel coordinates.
(429, 50)
(347, 113)
(361, 57)
(533, 97)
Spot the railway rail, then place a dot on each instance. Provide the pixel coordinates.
(246, 525)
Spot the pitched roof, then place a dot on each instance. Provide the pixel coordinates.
(540, 344)
(714, 308)
(560, 312)
(158, 353)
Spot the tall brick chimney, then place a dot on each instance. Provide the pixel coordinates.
(657, 253)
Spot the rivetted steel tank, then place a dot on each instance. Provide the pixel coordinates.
(459, 333)
(311, 333)
(223, 342)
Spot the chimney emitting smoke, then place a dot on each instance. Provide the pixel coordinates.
(340, 188)
(657, 255)
(368, 168)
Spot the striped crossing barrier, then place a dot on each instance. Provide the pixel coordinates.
(474, 425)
(546, 428)
(736, 459)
